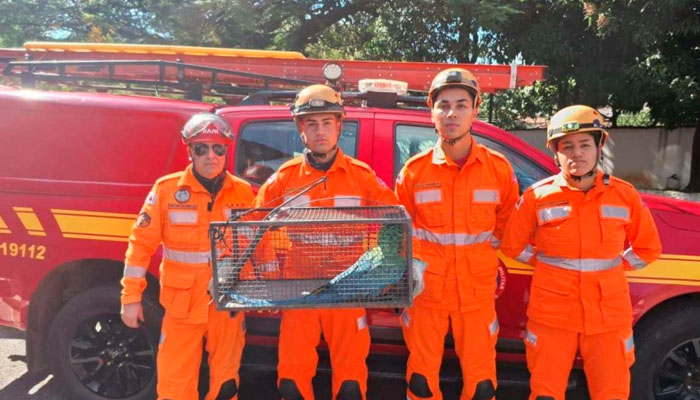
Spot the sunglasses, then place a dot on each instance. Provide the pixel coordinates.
(203, 149)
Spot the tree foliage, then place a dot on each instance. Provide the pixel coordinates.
(630, 55)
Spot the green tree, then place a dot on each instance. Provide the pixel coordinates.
(420, 30)
(666, 78)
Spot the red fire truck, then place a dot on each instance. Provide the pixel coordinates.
(76, 166)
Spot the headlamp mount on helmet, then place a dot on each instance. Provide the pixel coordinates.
(454, 77)
(316, 99)
(577, 119)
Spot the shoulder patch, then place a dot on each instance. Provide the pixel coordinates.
(381, 182)
(143, 220)
(400, 176)
(542, 182)
(151, 198)
(238, 181)
(174, 175)
(291, 163)
(495, 153)
(271, 178)
(419, 156)
(622, 182)
(363, 165)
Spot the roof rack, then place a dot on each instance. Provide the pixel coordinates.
(232, 74)
(193, 80)
(371, 99)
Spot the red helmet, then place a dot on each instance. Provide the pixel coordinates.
(207, 127)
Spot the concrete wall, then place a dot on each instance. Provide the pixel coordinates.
(646, 157)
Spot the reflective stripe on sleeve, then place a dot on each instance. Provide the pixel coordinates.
(495, 242)
(428, 196)
(458, 239)
(531, 338)
(618, 212)
(493, 327)
(526, 254)
(553, 213)
(134, 271)
(186, 257)
(361, 323)
(580, 264)
(633, 259)
(405, 318)
(485, 196)
(629, 343)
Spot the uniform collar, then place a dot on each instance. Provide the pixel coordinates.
(477, 153)
(188, 179)
(340, 162)
(561, 181)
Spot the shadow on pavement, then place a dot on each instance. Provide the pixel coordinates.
(36, 386)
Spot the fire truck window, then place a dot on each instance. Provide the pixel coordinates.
(263, 146)
(412, 139)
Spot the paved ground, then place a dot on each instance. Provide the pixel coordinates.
(258, 383)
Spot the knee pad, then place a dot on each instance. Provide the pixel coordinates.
(544, 398)
(484, 390)
(349, 390)
(288, 390)
(418, 385)
(227, 390)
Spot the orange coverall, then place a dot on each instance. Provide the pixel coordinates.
(350, 183)
(579, 296)
(458, 216)
(176, 214)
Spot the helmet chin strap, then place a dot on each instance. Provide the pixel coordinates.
(451, 142)
(579, 178)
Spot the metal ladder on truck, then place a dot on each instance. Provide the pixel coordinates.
(229, 74)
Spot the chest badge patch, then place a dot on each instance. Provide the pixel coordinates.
(182, 195)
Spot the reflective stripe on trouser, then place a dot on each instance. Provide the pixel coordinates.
(475, 334)
(607, 358)
(180, 354)
(347, 334)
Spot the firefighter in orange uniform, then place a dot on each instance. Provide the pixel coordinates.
(459, 195)
(318, 113)
(176, 214)
(573, 227)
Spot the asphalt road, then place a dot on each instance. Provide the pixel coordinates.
(258, 383)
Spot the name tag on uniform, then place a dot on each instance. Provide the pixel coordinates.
(347, 201)
(301, 201)
(182, 217)
(428, 196)
(486, 196)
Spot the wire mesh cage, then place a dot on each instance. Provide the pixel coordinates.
(313, 257)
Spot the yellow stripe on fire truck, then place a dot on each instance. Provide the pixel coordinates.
(94, 225)
(3, 227)
(30, 221)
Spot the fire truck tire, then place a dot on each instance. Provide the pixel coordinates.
(667, 352)
(95, 356)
